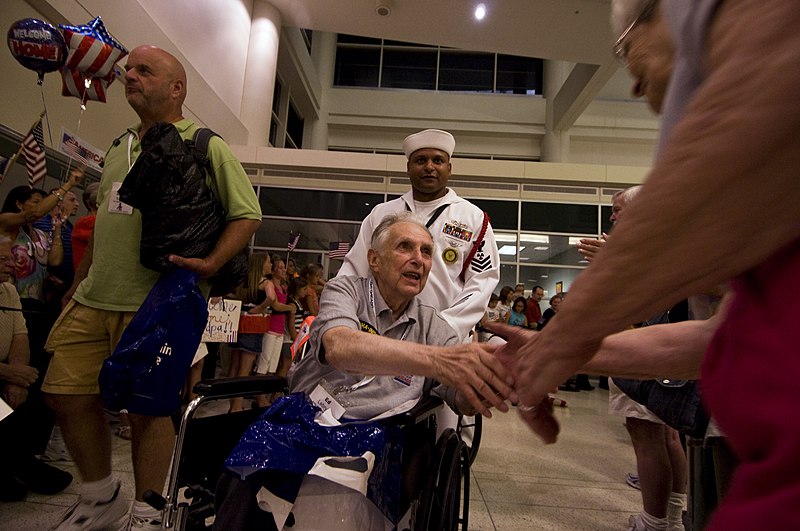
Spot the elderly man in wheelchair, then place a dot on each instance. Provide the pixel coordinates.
(375, 352)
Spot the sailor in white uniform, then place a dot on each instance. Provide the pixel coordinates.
(466, 264)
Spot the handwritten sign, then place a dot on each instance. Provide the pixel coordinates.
(223, 321)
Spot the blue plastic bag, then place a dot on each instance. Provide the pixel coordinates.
(148, 369)
(285, 442)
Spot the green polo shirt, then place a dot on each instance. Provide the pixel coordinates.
(116, 280)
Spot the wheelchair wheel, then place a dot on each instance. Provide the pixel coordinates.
(445, 500)
(475, 424)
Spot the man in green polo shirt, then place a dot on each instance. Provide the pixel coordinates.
(109, 287)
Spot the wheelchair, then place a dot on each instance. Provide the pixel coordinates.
(437, 488)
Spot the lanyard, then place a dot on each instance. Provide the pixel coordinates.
(436, 214)
(130, 145)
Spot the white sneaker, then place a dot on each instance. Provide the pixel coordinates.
(56, 449)
(87, 515)
(137, 523)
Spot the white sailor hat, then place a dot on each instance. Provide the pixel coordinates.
(429, 138)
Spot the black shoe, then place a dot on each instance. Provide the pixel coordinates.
(12, 490)
(585, 387)
(603, 383)
(43, 478)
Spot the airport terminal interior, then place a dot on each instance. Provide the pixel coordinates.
(315, 98)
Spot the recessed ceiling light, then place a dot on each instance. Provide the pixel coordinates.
(480, 12)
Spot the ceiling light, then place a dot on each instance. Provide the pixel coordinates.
(383, 8)
(480, 12)
(541, 248)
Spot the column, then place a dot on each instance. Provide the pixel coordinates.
(259, 79)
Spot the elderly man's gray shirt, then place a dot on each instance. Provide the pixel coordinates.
(357, 304)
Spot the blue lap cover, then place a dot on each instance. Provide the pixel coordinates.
(283, 445)
(148, 369)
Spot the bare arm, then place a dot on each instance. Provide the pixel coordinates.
(82, 272)
(16, 372)
(11, 221)
(233, 239)
(672, 350)
(469, 368)
(55, 256)
(687, 230)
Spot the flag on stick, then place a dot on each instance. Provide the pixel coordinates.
(33, 149)
(338, 250)
(293, 239)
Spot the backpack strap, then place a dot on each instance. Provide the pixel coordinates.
(198, 145)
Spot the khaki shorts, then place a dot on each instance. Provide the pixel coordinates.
(81, 339)
(622, 405)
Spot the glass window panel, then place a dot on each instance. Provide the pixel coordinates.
(409, 69)
(559, 217)
(549, 249)
(408, 44)
(314, 235)
(355, 39)
(466, 71)
(547, 277)
(506, 246)
(605, 218)
(276, 97)
(273, 132)
(317, 203)
(357, 67)
(508, 277)
(503, 214)
(519, 75)
(294, 127)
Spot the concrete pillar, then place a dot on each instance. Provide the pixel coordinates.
(259, 78)
(555, 144)
(323, 55)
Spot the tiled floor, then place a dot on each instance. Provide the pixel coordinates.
(517, 482)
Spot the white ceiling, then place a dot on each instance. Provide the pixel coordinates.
(570, 30)
(575, 31)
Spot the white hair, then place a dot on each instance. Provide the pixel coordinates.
(381, 232)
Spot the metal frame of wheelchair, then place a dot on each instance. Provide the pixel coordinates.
(443, 502)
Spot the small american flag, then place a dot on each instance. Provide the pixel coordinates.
(33, 149)
(293, 239)
(338, 250)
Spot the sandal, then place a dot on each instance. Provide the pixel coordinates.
(124, 432)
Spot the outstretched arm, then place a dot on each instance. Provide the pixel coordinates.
(469, 368)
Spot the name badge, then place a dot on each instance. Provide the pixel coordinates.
(115, 206)
(325, 401)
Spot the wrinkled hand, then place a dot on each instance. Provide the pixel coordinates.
(20, 375)
(534, 407)
(474, 372)
(589, 247)
(202, 266)
(15, 395)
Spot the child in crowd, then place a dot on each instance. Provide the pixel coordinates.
(516, 317)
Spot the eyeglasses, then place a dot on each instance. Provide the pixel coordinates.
(619, 49)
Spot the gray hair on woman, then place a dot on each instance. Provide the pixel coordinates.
(380, 234)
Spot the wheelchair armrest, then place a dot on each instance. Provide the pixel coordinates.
(240, 386)
(425, 408)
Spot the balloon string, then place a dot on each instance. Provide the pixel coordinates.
(46, 114)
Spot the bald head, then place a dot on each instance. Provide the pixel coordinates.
(155, 85)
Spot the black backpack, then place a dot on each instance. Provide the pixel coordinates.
(180, 214)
